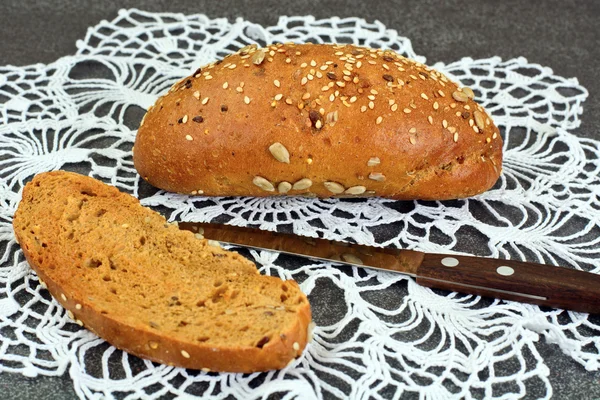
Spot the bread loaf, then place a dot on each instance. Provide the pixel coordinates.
(319, 120)
(151, 289)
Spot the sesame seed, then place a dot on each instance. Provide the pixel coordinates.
(458, 114)
(471, 122)
(455, 136)
(379, 120)
(296, 346)
(340, 83)
(70, 314)
(331, 97)
(303, 81)
(391, 101)
(495, 135)
(276, 82)
(436, 105)
(303, 65)
(208, 77)
(386, 67)
(412, 140)
(205, 100)
(371, 62)
(355, 79)
(373, 91)
(246, 99)
(153, 345)
(62, 296)
(323, 67)
(412, 130)
(339, 53)
(306, 96)
(359, 64)
(371, 105)
(313, 63)
(288, 101)
(196, 94)
(225, 85)
(232, 66)
(487, 140)
(188, 137)
(278, 96)
(319, 74)
(318, 124)
(288, 60)
(407, 110)
(423, 95)
(394, 107)
(78, 306)
(451, 129)
(430, 119)
(325, 88)
(445, 123)
(371, 97)
(363, 108)
(352, 99)
(441, 93)
(239, 89)
(184, 119)
(185, 354)
(475, 128)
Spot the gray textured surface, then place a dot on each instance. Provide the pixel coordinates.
(558, 34)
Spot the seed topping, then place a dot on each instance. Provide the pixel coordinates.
(284, 187)
(263, 183)
(377, 176)
(302, 184)
(334, 187)
(280, 153)
(356, 190)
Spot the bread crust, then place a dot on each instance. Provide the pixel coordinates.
(36, 223)
(332, 108)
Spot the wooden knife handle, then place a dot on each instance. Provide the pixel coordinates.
(512, 280)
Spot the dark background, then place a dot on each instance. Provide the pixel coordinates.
(563, 35)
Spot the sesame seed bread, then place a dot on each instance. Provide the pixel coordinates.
(319, 121)
(152, 289)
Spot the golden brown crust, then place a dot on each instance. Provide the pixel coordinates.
(332, 108)
(58, 203)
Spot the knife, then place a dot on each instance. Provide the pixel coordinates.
(527, 282)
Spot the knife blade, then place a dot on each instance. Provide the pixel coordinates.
(504, 279)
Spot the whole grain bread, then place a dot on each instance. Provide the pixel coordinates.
(151, 289)
(319, 120)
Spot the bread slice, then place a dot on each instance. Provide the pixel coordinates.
(151, 289)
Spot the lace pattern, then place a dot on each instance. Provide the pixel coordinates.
(379, 335)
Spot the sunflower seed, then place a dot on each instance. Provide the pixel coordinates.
(280, 153)
(258, 57)
(469, 92)
(284, 187)
(479, 120)
(334, 187)
(356, 190)
(377, 176)
(351, 258)
(263, 183)
(302, 184)
(373, 161)
(460, 96)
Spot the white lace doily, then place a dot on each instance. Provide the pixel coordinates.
(379, 335)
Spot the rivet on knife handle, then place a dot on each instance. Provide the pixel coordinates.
(512, 280)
